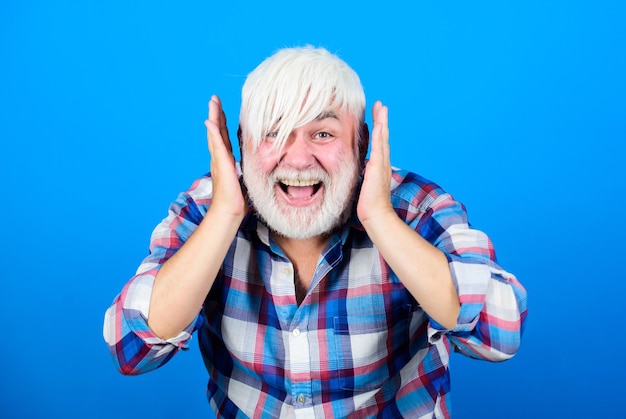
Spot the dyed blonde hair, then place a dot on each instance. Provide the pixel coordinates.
(292, 88)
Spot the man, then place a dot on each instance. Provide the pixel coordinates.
(320, 285)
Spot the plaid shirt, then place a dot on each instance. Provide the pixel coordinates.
(359, 345)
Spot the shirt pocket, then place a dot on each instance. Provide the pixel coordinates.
(368, 345)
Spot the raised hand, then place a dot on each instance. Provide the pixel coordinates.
(185, 279)
(374, 200)
(227, 194)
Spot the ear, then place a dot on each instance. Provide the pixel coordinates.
(364, 142)
(240, 139)
(239, 136)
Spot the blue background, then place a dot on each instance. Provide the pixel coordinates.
(516, 109)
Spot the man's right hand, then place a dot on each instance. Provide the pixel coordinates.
(228, 198)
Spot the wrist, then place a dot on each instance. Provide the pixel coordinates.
(377, 219)
(224, 216)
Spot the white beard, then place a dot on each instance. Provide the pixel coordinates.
(302, 222)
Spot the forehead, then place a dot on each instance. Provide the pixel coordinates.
(329, 114)
(337, 114)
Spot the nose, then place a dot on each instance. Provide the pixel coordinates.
(297, 152)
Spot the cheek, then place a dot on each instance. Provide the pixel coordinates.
(262, 159)
(335, 161)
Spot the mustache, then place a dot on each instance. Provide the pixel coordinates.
(311, 174)
(316, 174)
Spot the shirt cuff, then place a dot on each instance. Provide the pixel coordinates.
(471, 280)
(135, 306)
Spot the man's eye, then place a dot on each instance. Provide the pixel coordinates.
(271, 136)
(323, 135)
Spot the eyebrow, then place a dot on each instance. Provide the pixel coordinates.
(326, 114)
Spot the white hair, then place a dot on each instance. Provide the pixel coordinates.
(292, 88)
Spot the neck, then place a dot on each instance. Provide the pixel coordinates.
(304, 255)
(295, 248)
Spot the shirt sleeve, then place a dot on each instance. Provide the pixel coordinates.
(134, 347)
(493, 302)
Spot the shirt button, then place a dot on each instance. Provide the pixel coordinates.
(301, 399)
(296, 332)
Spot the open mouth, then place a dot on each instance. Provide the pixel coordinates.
(300, 189)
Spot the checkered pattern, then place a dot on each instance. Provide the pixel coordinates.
(358, 346)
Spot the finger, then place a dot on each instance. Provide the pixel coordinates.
(214, 109)
(380, 134)
(222, 120)
(377, 105)
(217, 147)
(220, 116)
(209, 135)
(383, 118)
(210, 119)
(384, 121)
(216, 99)
(217, 116)
(214, 136)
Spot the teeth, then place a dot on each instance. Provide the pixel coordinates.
(297, 182)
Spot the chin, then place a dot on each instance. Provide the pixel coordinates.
(305, 223)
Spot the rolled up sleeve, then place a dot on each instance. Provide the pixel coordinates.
(134, 347)
(493, 302)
